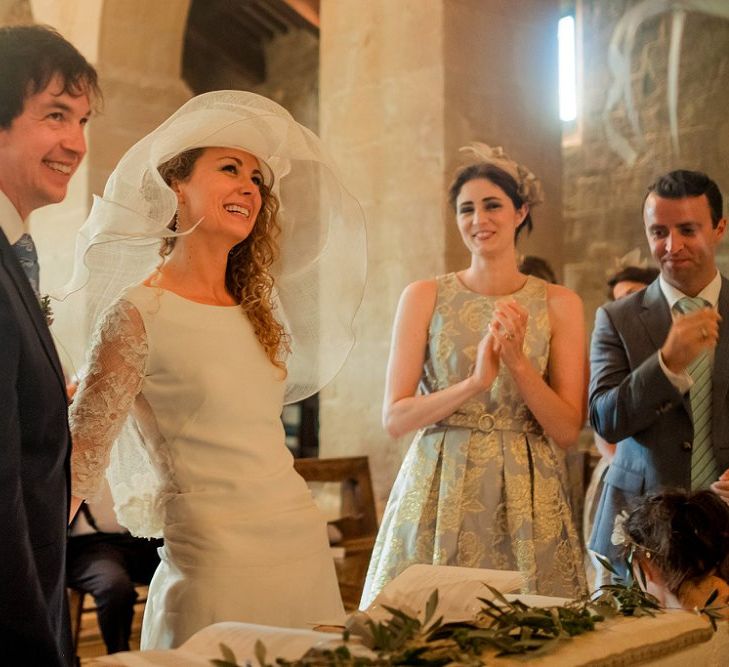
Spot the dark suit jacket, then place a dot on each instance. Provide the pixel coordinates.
(633, 404)
(34, 478)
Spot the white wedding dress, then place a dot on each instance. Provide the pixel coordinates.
(243, 538)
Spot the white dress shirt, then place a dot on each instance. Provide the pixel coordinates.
(10, 221)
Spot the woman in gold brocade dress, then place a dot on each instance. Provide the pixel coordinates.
(499, 359)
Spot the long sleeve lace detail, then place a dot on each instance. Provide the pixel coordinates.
(113, 379)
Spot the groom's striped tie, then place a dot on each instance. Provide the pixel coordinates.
(704, 469)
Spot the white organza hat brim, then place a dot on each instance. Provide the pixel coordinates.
(320, 274)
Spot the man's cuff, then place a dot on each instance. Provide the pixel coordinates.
(682, 381)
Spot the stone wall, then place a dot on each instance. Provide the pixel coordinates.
(382, 118)
(13, 12)
(292, 64)
(292, 75)
(602, 194)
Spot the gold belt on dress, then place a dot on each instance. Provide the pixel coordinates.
(486, 422)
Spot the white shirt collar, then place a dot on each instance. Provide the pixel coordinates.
(10, 221)
(710, 293)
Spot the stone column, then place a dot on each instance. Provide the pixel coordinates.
(14, 12)
(403, 85)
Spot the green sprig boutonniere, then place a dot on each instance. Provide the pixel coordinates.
(45, 306)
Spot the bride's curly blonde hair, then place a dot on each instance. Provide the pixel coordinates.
(247, 275)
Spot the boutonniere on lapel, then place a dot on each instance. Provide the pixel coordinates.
(45, 305)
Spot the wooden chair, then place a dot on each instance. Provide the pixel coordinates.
(358, 523)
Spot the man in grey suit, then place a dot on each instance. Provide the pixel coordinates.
(660, 361)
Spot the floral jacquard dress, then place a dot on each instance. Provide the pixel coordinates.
(482, 488)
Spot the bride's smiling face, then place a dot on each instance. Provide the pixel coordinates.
(223, 189)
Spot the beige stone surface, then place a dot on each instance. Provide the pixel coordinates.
(14, 12)
(292, 75)
(78, 22)
(381, 88)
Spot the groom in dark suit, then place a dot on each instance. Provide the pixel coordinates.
(45, 90)
(660, 361)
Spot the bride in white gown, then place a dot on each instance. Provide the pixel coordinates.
(189, 366)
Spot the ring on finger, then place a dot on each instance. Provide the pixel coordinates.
(509, 336)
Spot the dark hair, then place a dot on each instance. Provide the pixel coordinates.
(539, 267)
(633, 274)
(32, 55)
(247, 275)
(684, 183)
(686, 536)
(499, 178)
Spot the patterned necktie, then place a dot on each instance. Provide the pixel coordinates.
(704, 469)
(28, 257)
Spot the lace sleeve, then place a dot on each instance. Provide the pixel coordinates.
(113, 378)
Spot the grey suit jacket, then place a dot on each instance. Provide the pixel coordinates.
(633, 404)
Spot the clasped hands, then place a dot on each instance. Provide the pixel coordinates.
(688, 337)
(503, 342)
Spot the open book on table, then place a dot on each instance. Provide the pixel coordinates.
(459, 590)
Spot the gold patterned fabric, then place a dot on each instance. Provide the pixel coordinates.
(484, 487)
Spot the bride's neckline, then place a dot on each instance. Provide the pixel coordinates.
(178, 296)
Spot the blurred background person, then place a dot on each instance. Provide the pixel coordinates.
(532, 265)
(106, 562)
(628, 280)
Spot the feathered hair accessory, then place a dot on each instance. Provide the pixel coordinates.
(529, 186)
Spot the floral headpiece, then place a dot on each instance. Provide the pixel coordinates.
(620, 538)
(529, 186)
